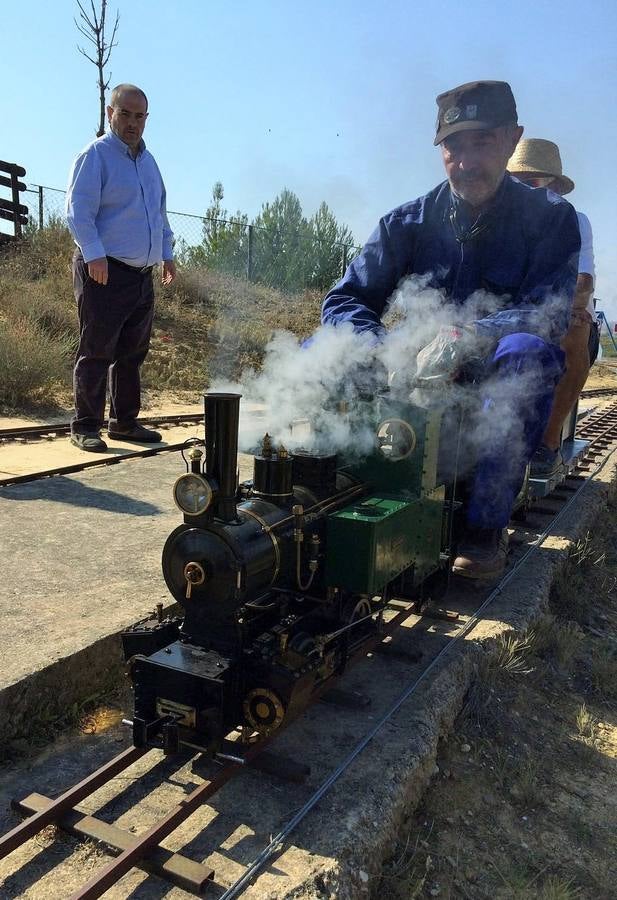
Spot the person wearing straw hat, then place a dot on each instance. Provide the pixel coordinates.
(537, 163)
(480, 233)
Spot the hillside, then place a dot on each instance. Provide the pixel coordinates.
(207, 325)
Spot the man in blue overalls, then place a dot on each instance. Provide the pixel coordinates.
(481, 230)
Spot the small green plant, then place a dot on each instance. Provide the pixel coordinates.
(511, 655)
(586, 724)
(587, 732)
(30, 362)
(527, 786)
(504, 660)
(579, 580)
(603, 671)
(556, 640)
(557, 888)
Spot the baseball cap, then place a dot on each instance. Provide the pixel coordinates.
(474, 106)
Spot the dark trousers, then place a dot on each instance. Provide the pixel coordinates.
(115, 322)
(516, 401)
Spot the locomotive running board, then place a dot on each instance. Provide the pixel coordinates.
(182, 871)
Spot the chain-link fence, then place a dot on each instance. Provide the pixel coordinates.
(285, 259)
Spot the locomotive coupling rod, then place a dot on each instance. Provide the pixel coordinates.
(32, 825)
(227, 757)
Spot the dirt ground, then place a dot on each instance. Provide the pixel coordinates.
(523, 801)
(603, 374)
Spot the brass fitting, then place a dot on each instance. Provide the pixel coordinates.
(266, 446)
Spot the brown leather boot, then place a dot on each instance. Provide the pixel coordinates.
(482, 553)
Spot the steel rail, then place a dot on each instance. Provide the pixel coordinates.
(277, 842)
(599, 392)
(116, 868)
(34, 431)
(101, 460)
(33, 824)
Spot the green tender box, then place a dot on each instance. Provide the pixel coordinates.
(371, 542)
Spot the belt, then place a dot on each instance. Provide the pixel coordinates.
(122, 265)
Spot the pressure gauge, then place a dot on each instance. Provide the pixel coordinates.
(192, 494)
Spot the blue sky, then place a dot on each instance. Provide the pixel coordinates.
(334, 100)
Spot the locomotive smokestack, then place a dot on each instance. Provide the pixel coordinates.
(222, 413)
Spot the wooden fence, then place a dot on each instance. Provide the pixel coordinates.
(12, 210)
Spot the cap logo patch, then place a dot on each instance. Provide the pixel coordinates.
(471, 111)
(452, 114)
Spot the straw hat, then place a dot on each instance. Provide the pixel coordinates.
(538, 157)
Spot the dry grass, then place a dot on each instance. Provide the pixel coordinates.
(495, 673)
(528, 809)
(603, 670)
(207, 326)
(31, 363)
(556, 640)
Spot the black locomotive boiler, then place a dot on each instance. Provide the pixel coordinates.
(283, 577)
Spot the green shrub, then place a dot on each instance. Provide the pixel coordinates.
(31, 362)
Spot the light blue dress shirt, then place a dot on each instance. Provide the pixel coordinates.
(115, 205)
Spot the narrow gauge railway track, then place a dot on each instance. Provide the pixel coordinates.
(600, 429)
(599, 392)
(144, 850)
(30, 433)
(36, 433)
(100, 460)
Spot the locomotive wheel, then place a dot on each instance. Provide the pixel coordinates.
(303, 643)
(355, 609)
(263, 710)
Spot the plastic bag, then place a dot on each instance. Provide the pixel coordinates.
(443, 358)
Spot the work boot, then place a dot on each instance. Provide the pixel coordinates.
(482, 553)
(136, 433)
(545, 462)
(90, 441)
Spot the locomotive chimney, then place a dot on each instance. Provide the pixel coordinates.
(221, 414)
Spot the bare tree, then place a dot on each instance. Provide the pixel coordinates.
(92, 26)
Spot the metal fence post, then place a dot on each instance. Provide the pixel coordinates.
(249, 256)
(344, 265)
(40, 206)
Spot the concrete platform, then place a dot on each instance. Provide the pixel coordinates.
(81, 561)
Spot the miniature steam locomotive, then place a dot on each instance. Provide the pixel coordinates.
(282, 578)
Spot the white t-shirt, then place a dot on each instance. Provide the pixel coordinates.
(585, 259)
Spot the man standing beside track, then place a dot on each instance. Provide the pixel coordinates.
(481, 230)
(115, 209)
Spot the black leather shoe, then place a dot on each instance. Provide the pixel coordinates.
(482, 553)
(136, 433)
(91, 441)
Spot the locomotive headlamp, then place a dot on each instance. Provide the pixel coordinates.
(192, 494)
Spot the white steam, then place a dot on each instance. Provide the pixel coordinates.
(307, 384)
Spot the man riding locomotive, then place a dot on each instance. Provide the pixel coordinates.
(481, 230)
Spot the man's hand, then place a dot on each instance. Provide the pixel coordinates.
(98, 270)
(443, 358)
(168, 271)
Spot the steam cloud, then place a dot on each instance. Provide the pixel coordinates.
(306, 384)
